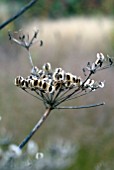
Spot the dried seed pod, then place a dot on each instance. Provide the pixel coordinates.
(101, 84)
(34, 70)
(57, 85)
(41, 73)
(68, 77)
(35, 83)
(47, 67)
(100, 59)
(51, 89)
(68, 84)
(18, 80)
(40, 83)
(79, 81)
(74, 77)
(23, 84)
(57, 70)
(45, 85)
(59, 76)
(70, 80)
(27, 82)
(89, 84)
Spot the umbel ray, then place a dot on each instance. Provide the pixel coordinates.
(55, 86)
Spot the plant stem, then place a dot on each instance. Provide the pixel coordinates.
(19, 13)
(36, 127)
(30, 58)
(80, 107)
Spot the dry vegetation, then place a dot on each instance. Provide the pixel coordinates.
(69, 44)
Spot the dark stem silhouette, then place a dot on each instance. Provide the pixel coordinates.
(19, 13)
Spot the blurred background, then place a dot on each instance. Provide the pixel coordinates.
(73, 31)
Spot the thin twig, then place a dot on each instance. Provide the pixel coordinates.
(77, 96)
(70, 97)
(30, 58)
(66, 97)
(80, 107)
(36, 127)
(60, 96)
(34, 37)
(19, 13)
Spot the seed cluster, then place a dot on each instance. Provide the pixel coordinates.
(48, 81)
(56, 86)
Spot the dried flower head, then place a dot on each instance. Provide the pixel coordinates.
(55, 86)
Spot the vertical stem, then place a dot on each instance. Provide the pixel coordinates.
(36, 127)
(30, 58)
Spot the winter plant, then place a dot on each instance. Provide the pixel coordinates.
(55, 86)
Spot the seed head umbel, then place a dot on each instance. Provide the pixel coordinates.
(53, 86)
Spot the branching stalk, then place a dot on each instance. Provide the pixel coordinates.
(80, 107)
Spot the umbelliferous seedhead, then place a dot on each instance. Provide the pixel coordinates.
(54, 86)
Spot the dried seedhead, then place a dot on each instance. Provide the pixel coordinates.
(24, 40)
(55, 86)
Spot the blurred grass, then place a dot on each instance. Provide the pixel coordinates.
(69, 44)
(57, 9)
